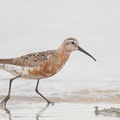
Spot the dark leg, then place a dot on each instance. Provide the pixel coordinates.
(8, 96)
(36, 89)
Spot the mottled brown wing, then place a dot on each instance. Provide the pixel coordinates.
(30, 60)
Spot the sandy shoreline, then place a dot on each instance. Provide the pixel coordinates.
(84, 96)
(80, 104)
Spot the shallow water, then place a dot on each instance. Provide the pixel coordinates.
(60, 111)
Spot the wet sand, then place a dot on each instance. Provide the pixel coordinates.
(60, 111)
(83, 96)
(73, 101)
(65, 107)
(73, 105)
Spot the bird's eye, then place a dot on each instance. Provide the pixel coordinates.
(72, 42)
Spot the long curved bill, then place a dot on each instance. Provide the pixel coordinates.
(82, 50)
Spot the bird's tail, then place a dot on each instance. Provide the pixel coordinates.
(4, 61)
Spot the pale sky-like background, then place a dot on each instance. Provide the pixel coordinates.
(28, 26)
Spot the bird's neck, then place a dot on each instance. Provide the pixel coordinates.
(63, 55)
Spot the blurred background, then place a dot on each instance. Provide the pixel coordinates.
(28, 26)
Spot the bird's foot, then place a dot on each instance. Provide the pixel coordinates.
(49, 102)
(3, 103)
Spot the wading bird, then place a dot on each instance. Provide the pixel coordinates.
(40, 65)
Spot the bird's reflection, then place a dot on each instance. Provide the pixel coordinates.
(9, 116)
(41, 111)
(113, 112)
(7, 113)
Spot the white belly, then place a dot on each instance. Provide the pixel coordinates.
(19, 70)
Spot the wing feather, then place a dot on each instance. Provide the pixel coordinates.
(30, 60)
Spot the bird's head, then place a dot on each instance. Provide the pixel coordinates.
(71, 44)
